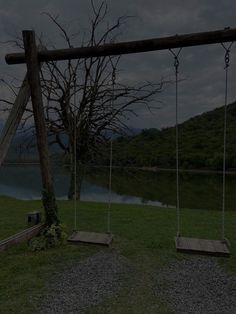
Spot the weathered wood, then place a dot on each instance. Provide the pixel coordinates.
(33, 69)
(22, 236)
(37, 103)
(14, 118)
(202, 246)
(177, 41)
(90, 238)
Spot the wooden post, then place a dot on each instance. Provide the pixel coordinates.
(14, 118)
(24, 235)
(177, 41)
(41, 131)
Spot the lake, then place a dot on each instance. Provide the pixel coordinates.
(197, 190)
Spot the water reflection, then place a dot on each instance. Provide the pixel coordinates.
(128, 186)
(197, 190)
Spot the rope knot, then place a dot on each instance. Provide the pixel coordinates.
(113, 77)
(176, 64)
(227, 58)
(176, 58)
(227, 54)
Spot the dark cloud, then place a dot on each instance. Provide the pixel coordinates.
(201, 68)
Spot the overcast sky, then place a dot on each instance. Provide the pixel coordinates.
(201, 68)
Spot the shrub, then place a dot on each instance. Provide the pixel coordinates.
(50, 237)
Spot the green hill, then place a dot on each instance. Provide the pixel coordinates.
(200, 144)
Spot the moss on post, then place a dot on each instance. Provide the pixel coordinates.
(53, 233)
(50, 207)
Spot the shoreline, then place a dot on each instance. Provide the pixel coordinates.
(204, 171)
(151, 169)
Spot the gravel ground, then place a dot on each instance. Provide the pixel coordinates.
(197, 285)
(86, 283)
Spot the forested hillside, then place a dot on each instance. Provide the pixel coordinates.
(200, 144)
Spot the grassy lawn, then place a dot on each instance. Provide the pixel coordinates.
(144, 234)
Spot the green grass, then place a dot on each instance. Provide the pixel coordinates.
(144, 234)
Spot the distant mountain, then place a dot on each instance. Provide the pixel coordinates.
(24, 148)
(25, 143)
(200, 143)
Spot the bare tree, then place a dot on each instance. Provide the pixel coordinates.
(84, 100)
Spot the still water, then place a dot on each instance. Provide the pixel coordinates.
(200, 191)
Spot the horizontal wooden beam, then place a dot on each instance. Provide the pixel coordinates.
(177, 41)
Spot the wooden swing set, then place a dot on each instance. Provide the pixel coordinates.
(31, 87)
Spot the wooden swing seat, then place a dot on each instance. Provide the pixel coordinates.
(91, 238)
(202, 246)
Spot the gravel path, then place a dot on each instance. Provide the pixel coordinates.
(197, 285)
(85, 283)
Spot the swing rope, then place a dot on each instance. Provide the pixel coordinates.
(176, 65)
(111, 156)
(111, 159)
(75, 159)
(227, 63)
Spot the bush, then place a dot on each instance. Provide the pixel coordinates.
(50, 237)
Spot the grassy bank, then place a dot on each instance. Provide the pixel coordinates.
(144, 234)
